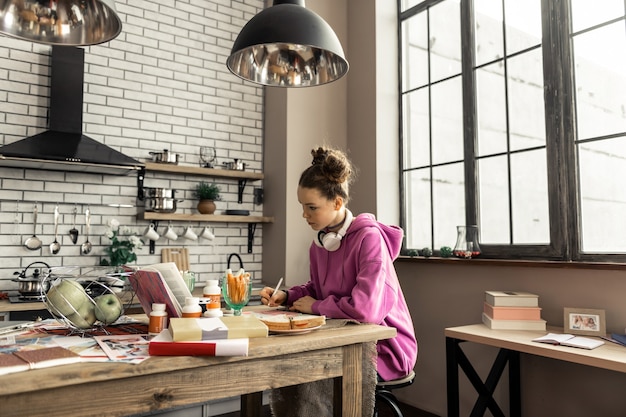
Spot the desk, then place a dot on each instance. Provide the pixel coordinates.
(511, 343)
(160, 383)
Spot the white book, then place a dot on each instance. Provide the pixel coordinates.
(161, 283)
(569, 340)
(511, 299)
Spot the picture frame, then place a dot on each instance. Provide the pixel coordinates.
(584, 321)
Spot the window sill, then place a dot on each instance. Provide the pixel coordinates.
(516, 263)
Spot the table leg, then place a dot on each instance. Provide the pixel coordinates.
(252, 404)
(515, 395)
(352, 389)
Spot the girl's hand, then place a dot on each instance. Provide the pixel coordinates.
(304, 304)
(267, 293)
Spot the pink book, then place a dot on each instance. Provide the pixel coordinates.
(512, 313)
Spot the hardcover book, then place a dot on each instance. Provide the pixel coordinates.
(513, 324)
(512, 313)
(164, 345)
(511, 299)
(160, 283)
(46, 357)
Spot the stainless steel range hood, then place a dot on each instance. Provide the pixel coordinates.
(64, 147)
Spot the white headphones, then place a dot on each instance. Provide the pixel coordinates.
(331, 241)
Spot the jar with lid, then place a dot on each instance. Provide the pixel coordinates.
(213, 293)
(158, 319)
(192, 307)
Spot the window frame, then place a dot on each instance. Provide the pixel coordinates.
(560, 124)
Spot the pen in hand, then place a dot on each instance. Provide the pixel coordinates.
(269, 301)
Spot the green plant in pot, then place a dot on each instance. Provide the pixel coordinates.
(207, 193)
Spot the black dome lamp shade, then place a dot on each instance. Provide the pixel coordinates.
(287, 45)
(60, 22)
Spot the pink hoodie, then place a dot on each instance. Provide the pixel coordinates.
(359, 282)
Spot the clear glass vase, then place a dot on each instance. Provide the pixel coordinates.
(467, 242)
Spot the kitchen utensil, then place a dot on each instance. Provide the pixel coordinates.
(160, 204)
(151, 233)
(180, 256)
(74, 230)
(206, 233)
(32, 286)
(55, 246)
(189, 234)
(155, 192)
(33, 242)
(85, 248)
(165, 157)
(170, 233)
(236, 165)
(207, 156)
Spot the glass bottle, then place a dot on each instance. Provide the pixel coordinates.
(467, 242)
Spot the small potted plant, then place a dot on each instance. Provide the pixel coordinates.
(207, 194)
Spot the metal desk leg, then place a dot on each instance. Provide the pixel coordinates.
(452, 376)
(455, 358)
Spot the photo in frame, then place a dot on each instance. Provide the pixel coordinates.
(584, 321)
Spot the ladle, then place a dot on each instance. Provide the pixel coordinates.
(85, 248)
(55, 246)
(33, 242)
(74, 230)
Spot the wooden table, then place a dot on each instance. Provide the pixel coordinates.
(511, 343)
(160, 383)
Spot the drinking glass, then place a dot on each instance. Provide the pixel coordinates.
(236, 292)
(207, 156)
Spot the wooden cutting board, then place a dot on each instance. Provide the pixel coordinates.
(180, 256)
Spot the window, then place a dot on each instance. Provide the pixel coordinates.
(514, 119)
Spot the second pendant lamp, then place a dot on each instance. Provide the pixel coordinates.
(287, 45)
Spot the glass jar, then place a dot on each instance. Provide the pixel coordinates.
(467, 242)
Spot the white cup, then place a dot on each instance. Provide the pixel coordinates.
(207, 234)
(189, 234)
(150, 233)
(170, 233)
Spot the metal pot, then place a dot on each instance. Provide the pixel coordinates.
(237, 165)
(165, 157)
(33, 285)
(150, 192)
(160, 204)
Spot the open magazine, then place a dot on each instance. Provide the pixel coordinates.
(160, 283)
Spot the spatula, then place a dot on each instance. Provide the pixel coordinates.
(74, 230)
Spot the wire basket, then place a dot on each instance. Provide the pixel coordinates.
(86, 300)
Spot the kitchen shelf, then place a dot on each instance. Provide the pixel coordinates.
(215, 218)
(209, 172)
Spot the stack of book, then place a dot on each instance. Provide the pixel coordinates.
(510, 310)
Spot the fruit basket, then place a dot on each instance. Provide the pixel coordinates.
(86, 300)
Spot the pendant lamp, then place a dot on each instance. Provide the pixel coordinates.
(287, 45)
(60, 22)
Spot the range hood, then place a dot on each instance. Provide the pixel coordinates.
(64, 147)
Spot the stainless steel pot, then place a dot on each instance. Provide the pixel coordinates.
(160, 204)
(237, 165)
(150, 192)
(165, 157)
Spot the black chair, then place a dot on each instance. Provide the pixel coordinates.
(384, 396)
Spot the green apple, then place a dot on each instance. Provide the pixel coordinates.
(108, 308)
(85, 316)
(67, 297)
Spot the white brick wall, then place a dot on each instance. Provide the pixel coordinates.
(162, 84)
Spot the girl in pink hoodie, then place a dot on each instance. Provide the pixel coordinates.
(351, 262)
